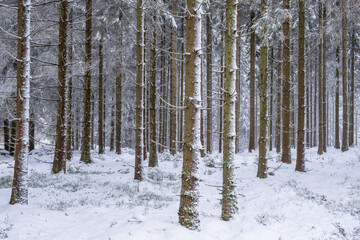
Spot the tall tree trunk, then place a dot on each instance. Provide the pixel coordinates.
(271, 113)
(153, 160)
(92, 124)
(85, 148)
(181, 122)
(118, 113)
(139, 91)
(324, 92)
(337, 99)
(209, 89)
(252, 82)
(278, 100)
(238, 98)
(19, 191)
(31, 133)
(112, 125)
(352, 90)
(261, 173)
(320, 85)
(6, 135)
(12, 137)
(173, 84)
(189, 196)
(101, 98)
(69, 115)
(221, 102)
(59, 162)
(345, 145)
(286, 154)
(229, 199)
(300, 157)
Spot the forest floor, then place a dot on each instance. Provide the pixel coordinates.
(102, 201)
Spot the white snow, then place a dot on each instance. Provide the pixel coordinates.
(101, 200)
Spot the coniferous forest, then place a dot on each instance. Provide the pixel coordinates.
(165, 119)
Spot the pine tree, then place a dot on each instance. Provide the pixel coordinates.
(229, 199)
(300, 157)
(88, 120)
(60, 143)
(189, 196)
(286, 154)
(261, 173)
(139, 91)
(19, 191)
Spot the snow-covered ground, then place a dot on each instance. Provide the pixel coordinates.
(101, 200)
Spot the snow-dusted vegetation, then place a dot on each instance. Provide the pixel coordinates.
(102, 201)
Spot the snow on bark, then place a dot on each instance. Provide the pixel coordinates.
(229, 199)
(19, 193)
(189, 196)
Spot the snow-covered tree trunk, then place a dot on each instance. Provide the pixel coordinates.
(286, 129)
(209, 89)
(118, 114)
(87, 129)
(352, 89)
(19, 192)
(229, 199)
(261, 173)
(139, 91)
(173, 83)
(153, 161)
(300, 158)
(69, 114)
(252, 82)
(101, 98)
(345, 10)
(278, 99)
(60, 143)
(320, 85)
(324, 90)
(189, 196)
(337, 100)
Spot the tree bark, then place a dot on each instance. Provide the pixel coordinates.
(12, 137)
(300, 157)
(118, 113)
(252, 82)
(189, 196)
(85, 148)
(278, 100)
(153, 160)
(59, 162)
(261, 172)
(352, 90)
(139, 91)
(344, 145)
(6, 135)
(69, 118)
(101, 98)
(209, 84)
(337, 100)
(324, 91)
(229, 198)
(286, 154)
(19, 191)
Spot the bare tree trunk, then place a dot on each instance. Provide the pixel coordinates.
(320, 85)
(252, 82)
(337, 99)
(229, 198)
(261, 173)
(118, 114)
(345, 145)
(300, 157)
(6, 135)
(221, 102)
(278, 100)
(19, 191)
(69, 115)
(324, 92)
(271, 113)
(352, 90)
(101, 98)
(85, 148)
(173, 85)
(59, 162)
(209, 89)
(286, 154)
(238, 98)
(112, 125)
(139, 91)
(153, 160)
(189, 196)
